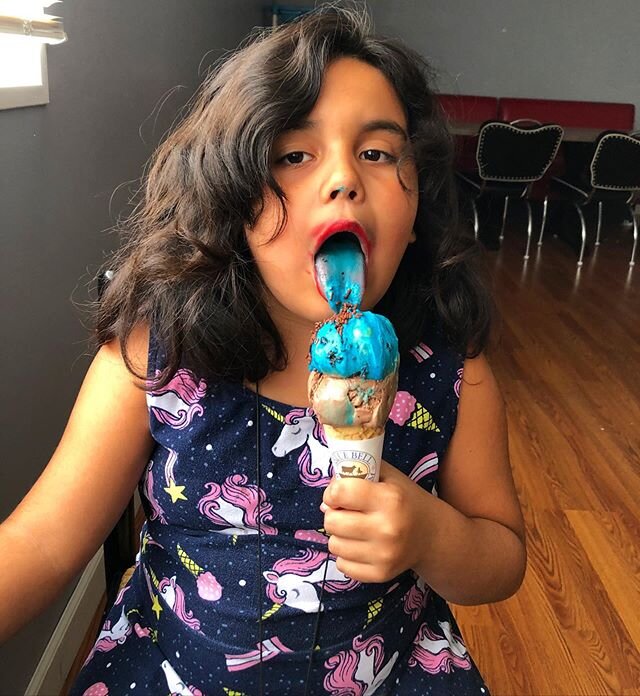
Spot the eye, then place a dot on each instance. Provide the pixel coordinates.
(296, 431)
(373, 155)
(293, 158)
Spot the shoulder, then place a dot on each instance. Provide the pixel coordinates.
(135, 352)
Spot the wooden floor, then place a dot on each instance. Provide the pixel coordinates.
(569, 366)
(568, 363)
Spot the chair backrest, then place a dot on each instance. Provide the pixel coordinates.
(616, 163)
(468, 108)
(570, 114)
(510, 153)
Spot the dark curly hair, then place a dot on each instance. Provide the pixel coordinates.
(185, 267)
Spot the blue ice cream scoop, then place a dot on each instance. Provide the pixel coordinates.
(354, 343)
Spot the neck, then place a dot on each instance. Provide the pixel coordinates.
(290, 384)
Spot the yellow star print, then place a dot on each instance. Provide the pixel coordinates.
(156, 606)
(175, 492)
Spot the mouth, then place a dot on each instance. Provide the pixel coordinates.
(345, 228)
(340, 263)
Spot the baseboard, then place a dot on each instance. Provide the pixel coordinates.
(65, 642)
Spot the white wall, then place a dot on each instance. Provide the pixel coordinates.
(64, 169)
(549, 49)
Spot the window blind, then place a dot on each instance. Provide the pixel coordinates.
(26, 18)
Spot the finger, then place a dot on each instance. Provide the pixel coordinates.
(350, 550)
(350, 494)
(347, 523)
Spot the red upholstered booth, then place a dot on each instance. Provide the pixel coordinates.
(569, 114)
(468, 108)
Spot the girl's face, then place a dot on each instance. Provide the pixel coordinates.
(339, 166)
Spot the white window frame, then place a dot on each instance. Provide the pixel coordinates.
(28, 95)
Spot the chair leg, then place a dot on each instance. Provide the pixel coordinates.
(529, 229)
(635, 237)
(599, 223)
(583, 231)
(544, 219)
(476, 224)
(504, 217)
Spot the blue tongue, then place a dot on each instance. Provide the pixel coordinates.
(340, 273)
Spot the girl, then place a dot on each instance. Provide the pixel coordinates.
(258, 573)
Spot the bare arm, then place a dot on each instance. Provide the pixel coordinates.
(468, 544)
(77, 500)
(479, 552)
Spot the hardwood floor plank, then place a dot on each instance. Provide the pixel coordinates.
(614, 555)
(568, 362)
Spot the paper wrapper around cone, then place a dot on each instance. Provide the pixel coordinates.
(355, 450)
(355, 457)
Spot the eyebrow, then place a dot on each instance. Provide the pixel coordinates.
(368, 127)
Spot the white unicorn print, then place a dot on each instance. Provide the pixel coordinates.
(111, 636)
(366, 671)
(361, 670)
(302, 430)
(292, 581)
(175, 685)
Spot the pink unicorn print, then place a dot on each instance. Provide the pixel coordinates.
(177, 403)
(175, 685)
(270, 649)
(111, 636)
(436, 653)
(358, 672)
(314, 535)
(302, 429)
(174, 596)
(292, 581)
(458, 384)
(235, 507)
(414, 599)
(97, 689)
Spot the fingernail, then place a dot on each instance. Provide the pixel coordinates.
(324, 507)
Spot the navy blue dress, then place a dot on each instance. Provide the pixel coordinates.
(187, 620)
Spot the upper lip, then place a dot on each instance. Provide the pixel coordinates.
(323, 231)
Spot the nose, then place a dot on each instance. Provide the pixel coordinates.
(344, 190)
(343, 181)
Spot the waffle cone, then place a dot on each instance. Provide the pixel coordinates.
(355, 432)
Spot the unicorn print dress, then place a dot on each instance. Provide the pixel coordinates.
(187, 623)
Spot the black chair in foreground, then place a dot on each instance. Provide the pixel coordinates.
(613, 176)
(511, 158)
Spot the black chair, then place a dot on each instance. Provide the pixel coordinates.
(613, 176)
(511, 158)
(121, 544)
